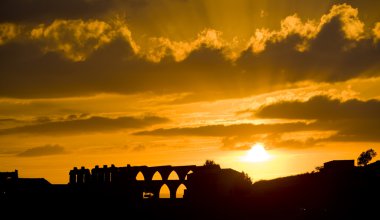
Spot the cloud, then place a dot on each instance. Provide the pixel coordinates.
(330, 56)
(271, 141)
(45, 150)
(161, 47)
(376, 32)
(8, 32)
(321, 108)
(229, 130)
(329, 120)
(100, 56)
(351, 25)
(10, 122)
(76, 39)
(89, 125)
(237, 143)
(353, 119)
(244, 136)
(5, 120)
(365, 130)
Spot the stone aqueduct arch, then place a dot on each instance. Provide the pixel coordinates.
(125, 177)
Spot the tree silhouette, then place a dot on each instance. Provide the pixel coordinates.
(318, 168)
(247, 178)
(366, 156)
(210, 163)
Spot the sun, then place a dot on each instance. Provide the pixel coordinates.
(256, 154)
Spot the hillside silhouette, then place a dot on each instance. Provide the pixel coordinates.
(339, 190)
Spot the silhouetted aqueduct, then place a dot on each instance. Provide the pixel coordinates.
(125, 179)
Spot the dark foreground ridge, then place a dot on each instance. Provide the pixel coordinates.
(338, 191)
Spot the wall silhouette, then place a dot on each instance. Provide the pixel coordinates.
(125, 179)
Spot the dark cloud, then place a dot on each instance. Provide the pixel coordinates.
(113, 68)
(10, 122)
(42, 119)
(322, 108)
(92, 124)
(354, 130)
(45, 10)
(46, 150)
(354, 120)
(230, 130)
(5, 120)
(26, 11)
(328, 58)
(51, 75)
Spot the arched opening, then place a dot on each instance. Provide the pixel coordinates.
(190, 172)
(140, 176)
(173, 176)
(164, 192)
(180, 191)
(157, 176)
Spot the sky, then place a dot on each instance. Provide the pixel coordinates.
(176, 82)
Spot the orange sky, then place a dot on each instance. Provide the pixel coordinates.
(85, 83)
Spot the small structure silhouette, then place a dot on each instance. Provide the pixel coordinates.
(338, 165)
(8, 177)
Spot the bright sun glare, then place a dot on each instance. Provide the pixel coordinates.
(256, 154)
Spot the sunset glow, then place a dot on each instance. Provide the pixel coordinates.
(256, 154)
(162, 82)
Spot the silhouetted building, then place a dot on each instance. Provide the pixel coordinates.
(11, 186)
(7, 182)
(8, 177)
(338, 165)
